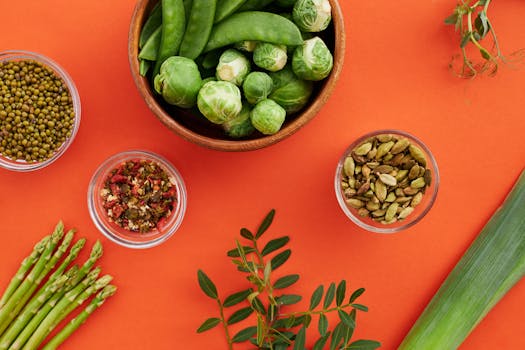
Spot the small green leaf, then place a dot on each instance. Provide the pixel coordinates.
(258, 305)
(346, 318)
(321, 342)
(356, 294)
(485, 54)
(236, 298)
(464, 40)
(340, 293)
(285, 281)
(275, 244)
(329, 297)
(280, 258)
(244, 334)
(349, 331)
(239, 315)
(363, 344)
(290, 322)
(207, 285)
(360, 307)
(337, 336)
(267, 273)
(208, 324)
(246, 233)
(452, 19)
(260, 330)
(234, 253)
(316, 298)
(322, 324)
(300, 339)
(307, 319)
(265, 223)
(288, 299)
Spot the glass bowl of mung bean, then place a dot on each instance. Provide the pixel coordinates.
(386, 181)
(137, 199)
(39, 111)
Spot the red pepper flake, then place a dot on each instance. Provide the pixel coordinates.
(139, 196)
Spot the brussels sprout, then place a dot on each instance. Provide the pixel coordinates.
(233, 67)
(257, 86)
(246, 45)
(270, 56)
(289, 91)
(312, 15)
(312, 60)
(268, 117)
(219, 101)
(241, 125)
(178, 81)
(204, 81)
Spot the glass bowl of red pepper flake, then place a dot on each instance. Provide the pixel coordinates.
(137, 199)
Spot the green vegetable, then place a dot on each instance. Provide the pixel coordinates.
(270, 56)
(150, 49)
(219, 101)
(179, 81)
(254, 25)
(198, 28)
(246, 45)
(267, 323)
(144, 66)
(312, 60)
(226, 8)
(187, 7)
(257, 86)
(153, 22)
(312, 15)
(493, 263)
(72, 326)
(289, 91)
(268, 117)
(211, 59)
(233, 66)
(241, 125)
(173, 26)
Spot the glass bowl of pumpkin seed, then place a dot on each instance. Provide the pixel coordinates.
(39, 110)
(386, 181)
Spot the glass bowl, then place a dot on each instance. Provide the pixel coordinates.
(22, 165)
(121, 235)
(366, 219)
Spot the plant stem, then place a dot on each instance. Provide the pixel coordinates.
(225, 325)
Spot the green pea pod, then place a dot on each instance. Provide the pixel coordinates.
(151, 48)
(152, 23)
(198, 28)
(226, 8)
(144, 66)
(254, 5)
(173, 26)
(254, 25)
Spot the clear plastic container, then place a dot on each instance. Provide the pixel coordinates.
(121, 235)
(22, 165)
(420, 210)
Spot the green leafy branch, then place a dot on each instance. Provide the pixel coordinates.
(472, 22)
(264, 302)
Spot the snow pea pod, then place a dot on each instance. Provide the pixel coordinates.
(144, 67)
(251, 5)
(226, 8)
(173, 26)
(150, 49)
(152, 23)
(254, 25)
(198, 28)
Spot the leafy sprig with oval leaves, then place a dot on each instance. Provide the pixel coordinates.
(472, 22)
(263, 305)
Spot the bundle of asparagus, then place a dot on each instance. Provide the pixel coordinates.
(31, 309)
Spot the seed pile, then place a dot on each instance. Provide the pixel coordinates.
(36, 111)
(385, 178)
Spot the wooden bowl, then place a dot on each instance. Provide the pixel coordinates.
(204, 133)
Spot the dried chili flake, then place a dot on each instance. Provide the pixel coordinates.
(139, 195)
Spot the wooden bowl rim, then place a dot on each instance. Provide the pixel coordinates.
(236, 145)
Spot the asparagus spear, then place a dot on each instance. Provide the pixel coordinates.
(22, 293)
(25, 266)
(29, 311)
(96, 253)
(72, 326)
(45, 326)
(44, 310)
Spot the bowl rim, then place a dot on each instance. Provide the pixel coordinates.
(22, 166)
(407, 223)
(237, 145)
(177, 215)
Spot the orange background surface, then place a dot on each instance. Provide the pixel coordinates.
(395, 76)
